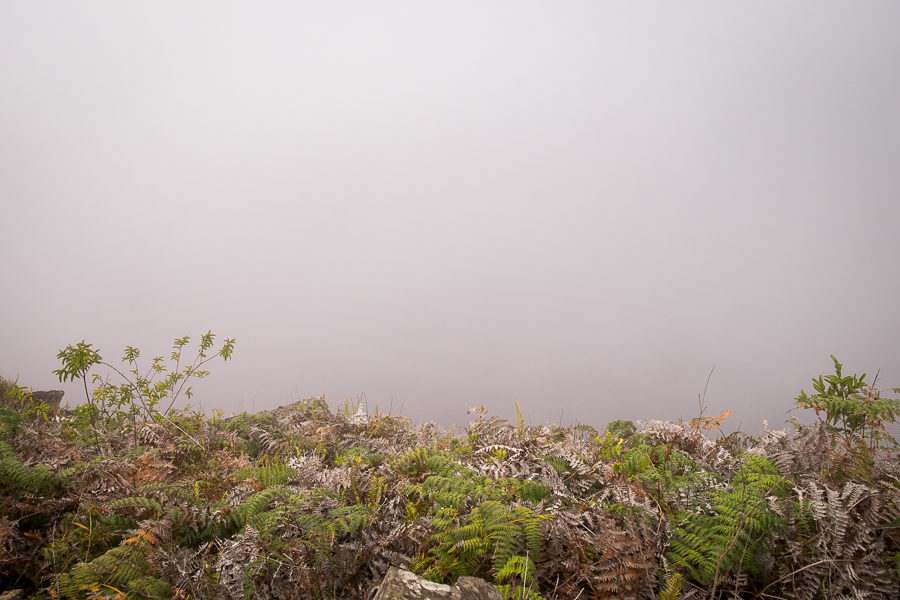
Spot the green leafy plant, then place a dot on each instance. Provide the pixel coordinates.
(125, 570)
(621, 429)
(850, 406)
(17, 479)
(139, 394)
(736, 529)
(669, 474)
(854, 413)
(18, 404)
(496, 541)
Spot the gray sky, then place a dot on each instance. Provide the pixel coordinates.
(583, 207)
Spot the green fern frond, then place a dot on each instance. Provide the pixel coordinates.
(532, 491)
(491, 539)
(10, 421)
(672, 589)
(254, 505)
(152, 509)
(17, 479)
(117, 522)
(521, 567)
(118, 567)
(150, 587)
(272, 474)
(740, 527)
(350, 519)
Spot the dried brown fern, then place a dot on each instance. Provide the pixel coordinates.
(586, 555)
(839, 546)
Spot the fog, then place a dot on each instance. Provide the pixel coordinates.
(581, 207)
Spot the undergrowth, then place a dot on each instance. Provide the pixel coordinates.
(130, 499)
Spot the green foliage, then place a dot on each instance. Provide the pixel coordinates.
(518, 567)
(672, 588)
(609, 448)
(421, 460)
(269, 474)
(139, 394)
(16, 406)
(251, 509)
(621, 429)
(520, 423)
(354, 455)
(10, 420)
(667, 473)
(851, 408)
(16, 479)
(855, 417)
(77, 361)
(13, 395)
(448, 489)
(296, 503)
(313, 408)
(477, 526)
(149, 587)
(521, 570)
(144, 508)
(491, 543)
(559, 464)
(531, 491)
(735, 531)
(517, 592)
(301, 522)
(242, 423)
(124, 568)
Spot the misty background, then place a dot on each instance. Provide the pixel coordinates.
(580, 206)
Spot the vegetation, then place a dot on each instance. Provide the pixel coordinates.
(126, 497)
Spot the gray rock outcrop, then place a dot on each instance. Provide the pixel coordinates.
(400, 584)
(51, 397)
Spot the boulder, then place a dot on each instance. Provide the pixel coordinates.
(51, 397)
(400, 584)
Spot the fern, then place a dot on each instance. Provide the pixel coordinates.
(124, 567)
(423, 460)
(275, 473)
(531, 491)
(449, 485)
(672, 588)
(251, 511)
(150, 508)
(736, 530)
(488, 543)
(560, 464)
(308, 527)
(517, 592)
(518, 567)
(117, 522)
(16, 479)
(668, 473)
(584, 554)
(150, 587)
(836, 541)
(254, 506)
(10, 421)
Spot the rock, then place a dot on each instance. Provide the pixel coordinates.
(51, 397)
(400, 584)
(360, 418)
(473, 588)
